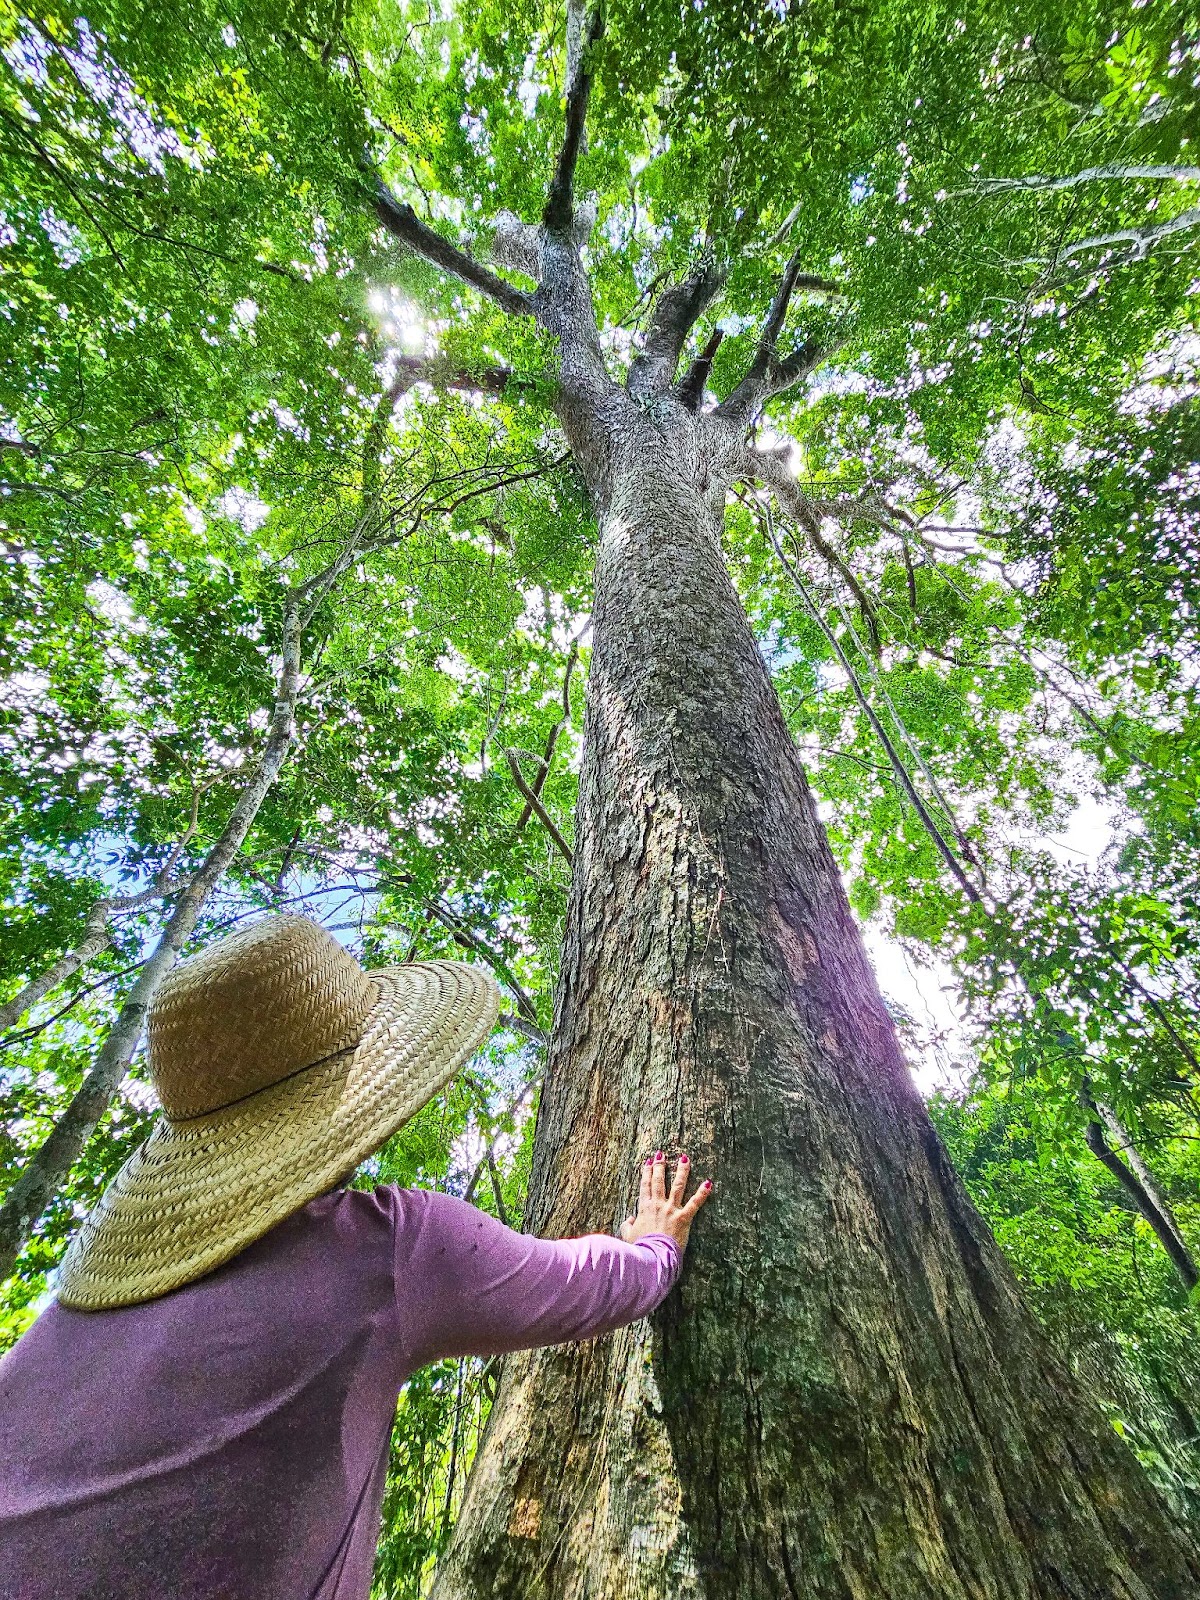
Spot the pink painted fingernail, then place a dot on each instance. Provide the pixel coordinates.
(658, 1155)
(708, 1183)
(646, 1162)
(683, 1161)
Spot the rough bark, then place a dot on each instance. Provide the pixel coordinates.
(845, 1398)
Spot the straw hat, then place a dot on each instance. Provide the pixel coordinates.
(280, 1065)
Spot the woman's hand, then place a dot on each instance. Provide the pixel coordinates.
(660, 1212)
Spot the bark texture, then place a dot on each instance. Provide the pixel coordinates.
(845, 1398)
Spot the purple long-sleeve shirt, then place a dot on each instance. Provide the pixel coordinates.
(229, 1441)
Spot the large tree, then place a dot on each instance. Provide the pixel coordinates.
(847, 1396)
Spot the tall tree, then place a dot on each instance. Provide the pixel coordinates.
(880, 1413)
(884, 1417)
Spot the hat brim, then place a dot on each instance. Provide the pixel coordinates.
(199, 1191)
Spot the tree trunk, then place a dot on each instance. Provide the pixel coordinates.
(845, 1396)
(96, 937)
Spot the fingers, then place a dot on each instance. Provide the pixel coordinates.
(698, 1199)
(647, 1170)
(680, 1182)
(627, 1227)
(658, 1172)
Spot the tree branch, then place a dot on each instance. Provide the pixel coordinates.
(1147, 1201)
(673, 318)
(539, 809)
(44, 1172)
(434, 370)
(690, 391)
(768, 373)
(401, 220)
(793, 499)
(522, 1025)
(560, 205)
(96, 937)
(471, 941)
(1172, 172)
(539, 782)
(515, 244)
(880, 732)
(1142, 239)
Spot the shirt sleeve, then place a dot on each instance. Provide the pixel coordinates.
(479, 1288)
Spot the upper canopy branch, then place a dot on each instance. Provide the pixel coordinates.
(1172, 172)
(690, 390)
(1139, 240)
(401, 220)
(675, 313)
(560, 202)
(769, 373)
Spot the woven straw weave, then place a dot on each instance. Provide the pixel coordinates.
(302, 1064)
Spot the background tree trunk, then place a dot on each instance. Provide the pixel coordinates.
(845, 1397)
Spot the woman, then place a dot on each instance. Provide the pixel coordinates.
(205, 1412)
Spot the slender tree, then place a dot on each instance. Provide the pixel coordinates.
(848, 1396)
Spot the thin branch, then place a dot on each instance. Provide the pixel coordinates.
(510, 1110)
(539, 782)
(785, 227)
(539, 809)
(1172, 172)
(40, 1027)
(501, 1212)
(1144, 1198)
(97, 936)
(880, 732)
(401, 220)
(866, 609)
(807, 513)
(470, 940)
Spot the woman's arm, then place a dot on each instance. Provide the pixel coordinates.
(479, 1288)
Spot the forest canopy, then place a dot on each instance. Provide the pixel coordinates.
(298, 565)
